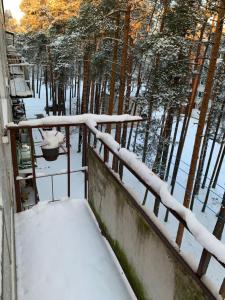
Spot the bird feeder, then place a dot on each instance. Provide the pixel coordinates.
(52, 140)
(50, 154)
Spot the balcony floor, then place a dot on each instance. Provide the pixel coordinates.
(61, 254)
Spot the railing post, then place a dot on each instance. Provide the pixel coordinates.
(145, 197)
(67, 129)
(52, 188)
(86, 184)
(15, 169)
(84, 156)
(106, 154)
(33, 165)
(217, 232)
(222, 289)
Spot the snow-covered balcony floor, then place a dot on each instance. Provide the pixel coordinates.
(61, 254)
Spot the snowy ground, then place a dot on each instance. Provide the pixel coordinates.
(61, 254)
(190, 247)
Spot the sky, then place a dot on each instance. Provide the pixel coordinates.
(13, 6)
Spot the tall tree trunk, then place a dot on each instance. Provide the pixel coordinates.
(92, 96)
(199, 63)
(51, 80)
(78, 110)
(171, 157)
(164, 155)
(202, 117)
(86, 62)
(113, 71)
(158, 156)
(103, 94)
(40, 82)
(37, 82)
(219, 167)
(221, 150)
(201, 160)
(127, 99)
(139, 83)
(122, 76)
(147, 131)
(46, 89)
(97, 97)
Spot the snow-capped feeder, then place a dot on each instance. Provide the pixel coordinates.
(51, 143)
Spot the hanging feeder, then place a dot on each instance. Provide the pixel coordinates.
(51, 143)
(50, 154)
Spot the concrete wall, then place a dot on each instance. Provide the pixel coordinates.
(153, 267)
(7, 255)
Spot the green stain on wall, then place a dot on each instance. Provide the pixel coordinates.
(122, 258)
(186, 288)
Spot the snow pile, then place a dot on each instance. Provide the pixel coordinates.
(61, 254)
(52, 139)
(201, 234)
(90, 119)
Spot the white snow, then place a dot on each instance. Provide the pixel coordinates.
(61, 254)
(4, 103)
(52, 139)
(90, 119)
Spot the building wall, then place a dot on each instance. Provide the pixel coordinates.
(155, 270)
(7, 281)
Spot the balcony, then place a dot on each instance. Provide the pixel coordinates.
(60, 236)
(20, 83)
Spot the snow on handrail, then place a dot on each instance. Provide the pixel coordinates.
(89, 119)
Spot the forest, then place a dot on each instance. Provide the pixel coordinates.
(140, 57)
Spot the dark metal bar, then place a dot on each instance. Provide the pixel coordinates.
(204, 262)
(106, 155)
(85, 184)
(84, 156)
(41, 156)
(15, 170)
(33, 164)
(52, 188)
(217, 232)
(145, 197)
(222, 289)
(68, 159)
(55, 174)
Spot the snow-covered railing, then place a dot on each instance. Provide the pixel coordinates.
(160, 188)
(51, 122)
(211, 245)
(85, 119)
